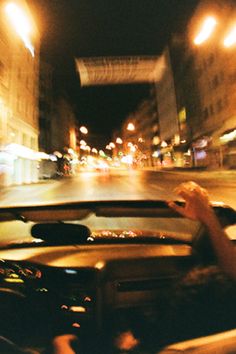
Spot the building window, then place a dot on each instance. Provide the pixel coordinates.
(219, 105)
(226, 101)
(33, 144)
(199, 72)
(210, 59)
(24, 140)
(18, 103)
(204, 64)
(19, 73)
(222, 76)
(215, 81)
(232, 78)
(205, 113)
(1, 70)
(211, 109)
(27, 82)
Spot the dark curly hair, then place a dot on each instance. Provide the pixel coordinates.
(204, 302)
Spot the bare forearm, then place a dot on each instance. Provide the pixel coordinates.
(223, 247)
(62, 344)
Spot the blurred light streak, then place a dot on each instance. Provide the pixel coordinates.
(230, 38)
(206, 31)
(21, 23)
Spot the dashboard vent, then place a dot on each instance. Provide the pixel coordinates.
(144, 284)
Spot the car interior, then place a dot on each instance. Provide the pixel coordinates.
(64, 283)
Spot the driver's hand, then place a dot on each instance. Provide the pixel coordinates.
(126, 341)
(63, 344)
(197, 204)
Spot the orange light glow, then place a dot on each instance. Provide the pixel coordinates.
(119, 141)
(230, 39)
(21, 23)
(206, 30)
(130, 127)
(83, 130)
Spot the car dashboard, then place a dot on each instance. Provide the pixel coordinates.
(81, 289)
(69, 278)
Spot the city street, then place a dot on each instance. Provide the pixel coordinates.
(116, 184)
(122, 184)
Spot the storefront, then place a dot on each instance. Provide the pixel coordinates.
(202, 151)
(18, 165)
(228, 148)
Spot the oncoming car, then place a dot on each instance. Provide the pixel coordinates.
(95, 269)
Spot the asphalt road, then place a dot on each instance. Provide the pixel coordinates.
(122, 184)
(115, 184)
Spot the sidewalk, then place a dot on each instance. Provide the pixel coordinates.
(198, 173)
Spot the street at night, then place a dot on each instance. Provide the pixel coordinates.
(122, 184)
(117, 176)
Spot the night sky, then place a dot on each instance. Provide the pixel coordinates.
(84, 28)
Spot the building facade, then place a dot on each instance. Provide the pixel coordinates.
(19, 72)
(45, 106)
(214, 128)
(140, 142)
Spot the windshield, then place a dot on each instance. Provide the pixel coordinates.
(105, 229)
(116, 100)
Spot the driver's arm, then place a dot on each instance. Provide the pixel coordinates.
(197, 207)
(63, 344)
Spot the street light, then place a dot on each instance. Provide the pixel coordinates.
(83, 142)
(130, 127)
(164, 144)
(83, 130)
(21, 23)
(230, 38)
(112, 145)
(206, 30)
(119, 141)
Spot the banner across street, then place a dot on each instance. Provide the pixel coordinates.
(119, 70)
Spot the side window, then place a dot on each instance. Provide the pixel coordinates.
(1, 70)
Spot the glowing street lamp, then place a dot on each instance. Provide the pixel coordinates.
(206, 31)
(164, 144)
(130, 127)
(112, 145)
(119, 141)
(133, 148)
(82, 142)
(83, 130)
(21, 23)
(231, 38)
(102, 153)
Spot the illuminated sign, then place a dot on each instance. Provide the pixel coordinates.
(228, 136)
(119, 70)
(182, 115)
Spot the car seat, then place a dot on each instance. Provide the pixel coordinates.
(220, 343)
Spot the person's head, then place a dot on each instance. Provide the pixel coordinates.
(204, 302)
